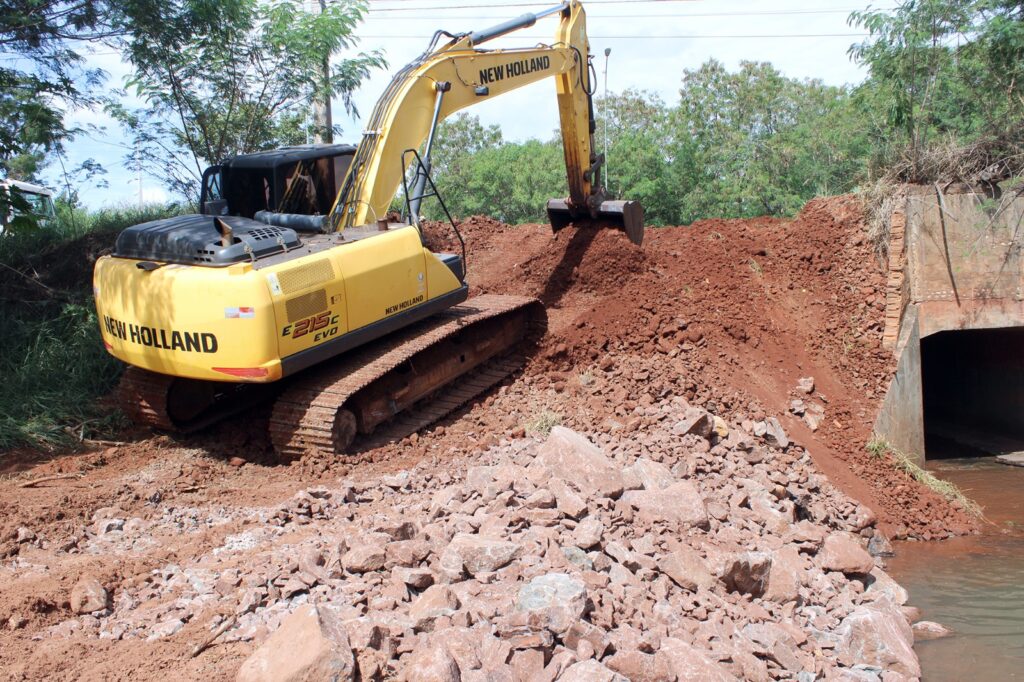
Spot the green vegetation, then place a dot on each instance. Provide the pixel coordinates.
(53, 364)
(942, 102)
(226, 78)
(739, 145)
(879, 449)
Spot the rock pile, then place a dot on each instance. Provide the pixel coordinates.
(690, 549)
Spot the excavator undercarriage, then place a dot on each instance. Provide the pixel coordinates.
(381, 392)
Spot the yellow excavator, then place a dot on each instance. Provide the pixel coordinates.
(341, 316)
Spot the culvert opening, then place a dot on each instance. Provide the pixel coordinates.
(973, 392)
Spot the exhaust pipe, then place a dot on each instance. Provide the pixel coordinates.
(627, 216)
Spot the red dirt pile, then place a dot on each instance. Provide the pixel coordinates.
(730, 314)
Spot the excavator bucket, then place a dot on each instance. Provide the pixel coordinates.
(627, 216)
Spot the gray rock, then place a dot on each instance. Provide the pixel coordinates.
(775, 435)
(560, 598)
(577, 557)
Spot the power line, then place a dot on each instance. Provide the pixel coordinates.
(538, 3)
(502, 5)
(780, 12)
(664, 37)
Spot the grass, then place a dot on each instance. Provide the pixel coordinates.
(543, 422)
(53, 367)
(879, 448)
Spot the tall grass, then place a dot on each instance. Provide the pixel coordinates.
(53, 367)
(880, 448)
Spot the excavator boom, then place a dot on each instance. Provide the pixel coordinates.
(459, 74)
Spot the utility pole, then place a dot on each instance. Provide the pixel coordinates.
(323, 125)
(138, 162)
(607, 173)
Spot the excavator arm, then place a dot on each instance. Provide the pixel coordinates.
(459, 74)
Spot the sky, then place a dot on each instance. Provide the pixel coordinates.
(652, 42)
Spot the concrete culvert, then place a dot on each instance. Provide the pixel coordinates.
(973, 392)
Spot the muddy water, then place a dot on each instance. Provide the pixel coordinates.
(973, 585)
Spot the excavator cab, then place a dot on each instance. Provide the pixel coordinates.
(300, 179)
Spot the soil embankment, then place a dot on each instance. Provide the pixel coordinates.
(697, 537)
(731, 314)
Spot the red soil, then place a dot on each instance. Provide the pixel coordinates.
(727, 313)
(763, 302)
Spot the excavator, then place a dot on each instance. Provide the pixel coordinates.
(343, 317)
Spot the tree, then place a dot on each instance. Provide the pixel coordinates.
(642, 153)
(946, 69)
(223, 78)
(762, 144)
(456, 143)
(42, 78)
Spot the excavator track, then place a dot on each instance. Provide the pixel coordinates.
(183, 405)
(407, 381)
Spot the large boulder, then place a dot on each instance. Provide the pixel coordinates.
(841, 552)
(557, 599)
(878, 637)
(571, 457)
(687, 569)
(689, 664)
(311, 645)
(678, 503)
(478, 554)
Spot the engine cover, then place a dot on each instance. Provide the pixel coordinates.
(194, 240)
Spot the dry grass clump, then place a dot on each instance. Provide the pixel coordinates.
(880, 200)
(543, 421)
(879, 448)
(987, 164)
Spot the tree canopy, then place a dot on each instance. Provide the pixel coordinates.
(224, 78)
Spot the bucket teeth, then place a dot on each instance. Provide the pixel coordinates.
(627, 216)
